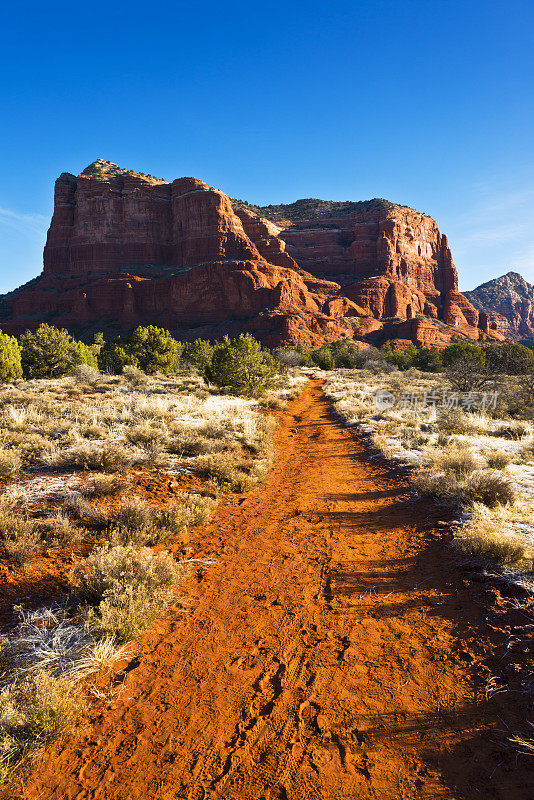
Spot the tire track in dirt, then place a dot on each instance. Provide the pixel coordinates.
(331, 652)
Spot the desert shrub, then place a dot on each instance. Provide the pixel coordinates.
(487, 487)
(132, 515)
(527, 451)
(22, 541)
(288, 356)
(490, 488)
(10, 358)
(230, 474)
(46, 353)
(154, 350)
(126, 588)
(466, 374)
(481, 538)
(516, 397)
(86, 373)
(134, 375)
(32, 448)
(498, 460)
(458, 460)
(199, 353)
(462, 351)
(107, 485)
(19, 536)
(10, 463)
(78, 507)
(62, 531)
(455, 420)
(145, 435)
(106, 458)
(33, 714)
(194, 444)
(135, 522)
(242, 365)
(186, 511)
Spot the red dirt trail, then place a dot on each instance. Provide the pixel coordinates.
(333, 651)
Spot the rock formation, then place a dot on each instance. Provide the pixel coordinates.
(125, 249)
(509, 300)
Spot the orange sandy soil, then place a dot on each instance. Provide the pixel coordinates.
(334, 650)
(47, 577)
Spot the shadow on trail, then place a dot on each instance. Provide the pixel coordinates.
(433, 579)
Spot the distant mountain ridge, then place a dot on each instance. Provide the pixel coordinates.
(509, 300)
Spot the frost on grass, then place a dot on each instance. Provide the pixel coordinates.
(42, 661)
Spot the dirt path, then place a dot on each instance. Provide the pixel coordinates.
(327, 654)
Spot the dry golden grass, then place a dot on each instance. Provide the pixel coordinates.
(126, 588)
(33, 713)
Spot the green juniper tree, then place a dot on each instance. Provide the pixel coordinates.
(10, 360)
(242, 365)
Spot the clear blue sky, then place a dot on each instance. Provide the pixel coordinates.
(428, 103)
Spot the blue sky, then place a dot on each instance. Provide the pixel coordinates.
(429, 104)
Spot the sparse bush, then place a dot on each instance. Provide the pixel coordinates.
(136, 522)
(20, 537)
(186, 511)
(33, 714)
(86, 374)
(288, 356)
(134, 375)
(513, 429)
(455, 420)
(10, 463)
(106, 458)
(482, 538)
(77, 507)
(242, 365)
(194, 444)
(490, 488)
(487, 487)
(229, 474)
(467, 374)
(134, 516)
(22, 540)
(460, 461)
(107, 485)
(62, 531)
(527, 451)
(126, 588)
(498, 460)
(145, 435)
(10, 358)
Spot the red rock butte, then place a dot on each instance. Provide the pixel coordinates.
(125, 249)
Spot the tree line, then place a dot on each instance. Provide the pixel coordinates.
(48, 352)
(242, 363)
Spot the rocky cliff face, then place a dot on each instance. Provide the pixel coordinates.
(510, 302)
(126, 248)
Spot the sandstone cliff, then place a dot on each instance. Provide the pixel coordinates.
(125, 249)
(510, 302)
